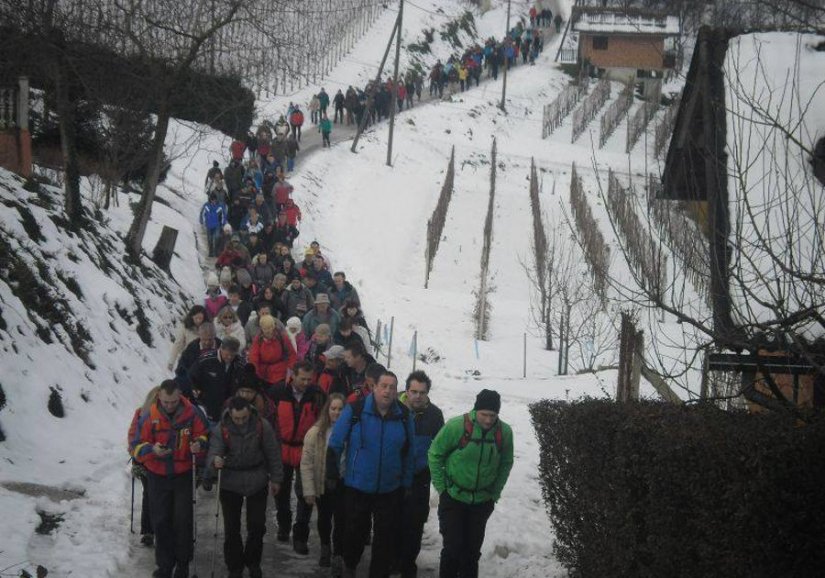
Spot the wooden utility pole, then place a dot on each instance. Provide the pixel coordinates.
(506, 62)
(394, 95)
(363, 122)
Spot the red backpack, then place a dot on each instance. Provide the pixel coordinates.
(297, 118)
(468, 434)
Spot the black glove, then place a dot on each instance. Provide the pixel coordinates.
(206, 483)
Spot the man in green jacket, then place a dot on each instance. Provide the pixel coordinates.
(470, 461)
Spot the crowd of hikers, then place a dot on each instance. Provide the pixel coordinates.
(275, 392)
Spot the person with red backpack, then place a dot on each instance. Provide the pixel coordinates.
(296, 120)
(298, 403)
(245, 450)
(470, 460)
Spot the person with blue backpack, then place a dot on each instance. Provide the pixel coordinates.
(213, 218)
(375, 434)
(470, 461)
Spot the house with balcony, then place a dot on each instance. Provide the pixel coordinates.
(15, 140)
(623, 44)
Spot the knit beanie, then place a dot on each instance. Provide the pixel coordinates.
(488, 400)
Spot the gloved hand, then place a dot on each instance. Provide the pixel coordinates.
(206, 483)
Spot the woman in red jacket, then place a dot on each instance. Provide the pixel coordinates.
(271, 353)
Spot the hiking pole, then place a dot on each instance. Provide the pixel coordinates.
(217, 514)
(194, 516)
(132, 515)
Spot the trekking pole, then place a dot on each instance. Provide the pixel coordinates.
(217, 514)
(132, 515)
(194, 516)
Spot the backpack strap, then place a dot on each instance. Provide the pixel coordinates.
(259, 431)
(467, 436)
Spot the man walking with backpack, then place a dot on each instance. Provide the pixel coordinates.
(377, 433)
(245, 451)
(470, 460)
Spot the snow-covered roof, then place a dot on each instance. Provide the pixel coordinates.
(610, 22)
(775, 100)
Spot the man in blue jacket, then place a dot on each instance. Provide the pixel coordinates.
(213, 218)
(376, 436)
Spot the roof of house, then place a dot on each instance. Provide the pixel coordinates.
(612, 21)
(775, 114)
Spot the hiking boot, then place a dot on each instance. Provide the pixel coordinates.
(283, 534)
(337, 568)
(300, 547)
(255, 572)
(326, 557)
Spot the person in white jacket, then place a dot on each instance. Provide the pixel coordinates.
(313, 476)
(186, 332)
(227, 324)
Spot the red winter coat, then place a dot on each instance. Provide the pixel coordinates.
(188, 427)
(282, 192)
(402, 92)
(272, 357)
(237, 149)
(293, 214)
(263, 149)
(295, 418)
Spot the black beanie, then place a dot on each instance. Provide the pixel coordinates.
(488, 400)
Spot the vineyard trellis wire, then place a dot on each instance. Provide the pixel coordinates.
(614, 114)
(555, 112)
(665, 129)
(273, 46)
(596, 251)
(643, 254)
(482, 308)
(435, 225)
(590, 107)
(681, 234)
(638, 122)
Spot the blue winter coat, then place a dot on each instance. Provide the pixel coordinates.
(380, 454)
(213, 216)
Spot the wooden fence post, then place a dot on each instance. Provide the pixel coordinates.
(165, 248)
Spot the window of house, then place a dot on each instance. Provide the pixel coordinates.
(600, 43)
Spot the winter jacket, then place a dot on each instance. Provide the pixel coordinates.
(428, 422)
(313, 319)
(477, 472)
(213, 215)
(233, 177)
(213, 379)
(285, 234)
(293, 297)
(332, 381)
(323, 99)
(379, 450)
(295, 417)
(214, 303)
(315, 352)
(188, 358)
(292, 148)
(272, 357)
(325, 125)
(293, 213)
(282, 190)
(183, 337)
(314, 462)
(263, 274)
(236, 149)
(237, 256)
(251, 454)
(338, 100)
(176, 432)
(340, 296)
(234, 330)
(243, 311)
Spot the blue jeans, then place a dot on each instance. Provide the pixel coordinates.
(290, 164)
(212, 236)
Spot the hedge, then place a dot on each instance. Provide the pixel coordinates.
(653, 490)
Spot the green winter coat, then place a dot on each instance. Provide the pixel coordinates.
(325, 126)
(476, 473)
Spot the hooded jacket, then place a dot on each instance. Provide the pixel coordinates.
(379, 452)
(477, 472)
(252, 456)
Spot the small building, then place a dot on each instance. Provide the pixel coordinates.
(15, 140)
(625, 44)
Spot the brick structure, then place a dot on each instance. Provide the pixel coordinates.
(624, 44)
(15, 139)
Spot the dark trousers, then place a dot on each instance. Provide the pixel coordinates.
(339, 114)
(462, 529)
(415, 511)
(385, 510)
(171, 510)
(331, 518)
(234, 553)
(296, 132)
(325, 142)
(145, 513)
(284, 507)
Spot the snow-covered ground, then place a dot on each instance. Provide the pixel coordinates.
(371, 220)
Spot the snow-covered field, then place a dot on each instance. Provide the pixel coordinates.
(371, 220)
